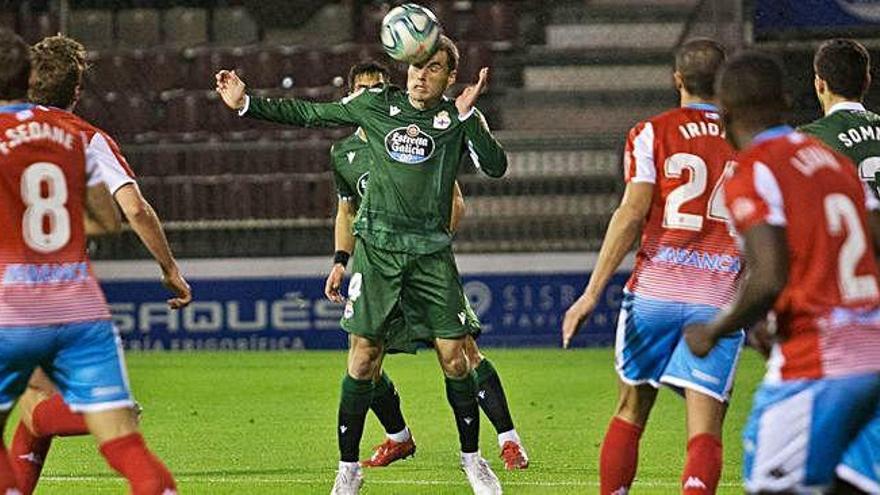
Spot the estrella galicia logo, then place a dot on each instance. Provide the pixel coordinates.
(409, 145)
(362, 184)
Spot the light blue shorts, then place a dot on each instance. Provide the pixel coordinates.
(84, 360)
(799, 430)
(650, 347)
(861, 461)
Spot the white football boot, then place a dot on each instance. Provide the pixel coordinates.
(349, 479)
(480, 475)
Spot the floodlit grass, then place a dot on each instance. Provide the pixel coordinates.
(265, 423)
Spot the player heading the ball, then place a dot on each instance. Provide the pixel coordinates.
(416, 138)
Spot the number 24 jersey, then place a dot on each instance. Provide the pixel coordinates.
(687, 253)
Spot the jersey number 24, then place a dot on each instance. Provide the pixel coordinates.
(695, 187)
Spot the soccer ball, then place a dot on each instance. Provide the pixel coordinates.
(410, 33)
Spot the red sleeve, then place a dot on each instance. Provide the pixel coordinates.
(753, 197)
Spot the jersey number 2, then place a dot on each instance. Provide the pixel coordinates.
(673, 218)
(42, 208)
(840, 213)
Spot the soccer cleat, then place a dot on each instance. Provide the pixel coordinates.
(514, 456)
(348, 480)
(483, 481)
(390, 451)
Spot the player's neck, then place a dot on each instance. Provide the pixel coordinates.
(689, 99)
(829, 101)
(424, 104)
(4, 103)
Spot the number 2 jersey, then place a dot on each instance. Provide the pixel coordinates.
(687, 253)
(48, 157)
(828, 314)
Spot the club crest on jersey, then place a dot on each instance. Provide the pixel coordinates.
(362, 184)
(409, 145)
(442, 120)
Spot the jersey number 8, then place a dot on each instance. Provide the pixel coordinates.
(673, 218)
(40, 208)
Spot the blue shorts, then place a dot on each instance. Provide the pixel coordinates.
(798, 431)
(861, 461)
(651, 349)
(84, 360)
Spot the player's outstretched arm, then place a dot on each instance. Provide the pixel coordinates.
(101, 217)
(146, 225)
(486, 152)
(766, 274)
(343, 235)
(623, 231)
(290, 111)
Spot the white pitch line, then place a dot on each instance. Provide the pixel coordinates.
(303, 481)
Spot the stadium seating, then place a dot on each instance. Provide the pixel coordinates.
(207, 170)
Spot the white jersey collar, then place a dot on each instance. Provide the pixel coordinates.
(846, 105)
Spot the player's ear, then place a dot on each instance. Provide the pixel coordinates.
(819, 84)
(678, 80)
(452, 78)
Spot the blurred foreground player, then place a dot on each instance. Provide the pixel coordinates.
(351, 159)
(802, 214)
(843, 76)
(403, 256)
(686, 270)
(52, 311)
(58, 63)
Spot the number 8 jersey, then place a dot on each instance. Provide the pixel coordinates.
(45, 276)
(687, 253)
(828, 314)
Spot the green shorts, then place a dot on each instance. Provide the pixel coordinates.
(397, 299)
(401, 339)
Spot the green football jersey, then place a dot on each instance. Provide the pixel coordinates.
(415, 159)
(350, 159)
(854, 132)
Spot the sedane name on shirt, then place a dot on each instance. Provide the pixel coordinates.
(34, 131)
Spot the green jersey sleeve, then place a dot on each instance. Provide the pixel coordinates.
(343, 188)
(485, 151)
(293, 111)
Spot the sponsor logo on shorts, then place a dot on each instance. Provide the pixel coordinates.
(409, 145)
(699, 375)
(105, 391)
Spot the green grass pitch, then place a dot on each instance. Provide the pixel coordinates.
(265, 423)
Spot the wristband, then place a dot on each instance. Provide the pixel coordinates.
(341, 257)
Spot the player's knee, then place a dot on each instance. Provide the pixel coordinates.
(635, 404)
(473, 353)
(455, 365)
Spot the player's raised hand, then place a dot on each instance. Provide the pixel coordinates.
(334, 283)
(700, 338)
(231, 89)
(468, 97)
(575, 317)
(175, 282)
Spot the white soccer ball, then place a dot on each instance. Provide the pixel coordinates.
(410, 33)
